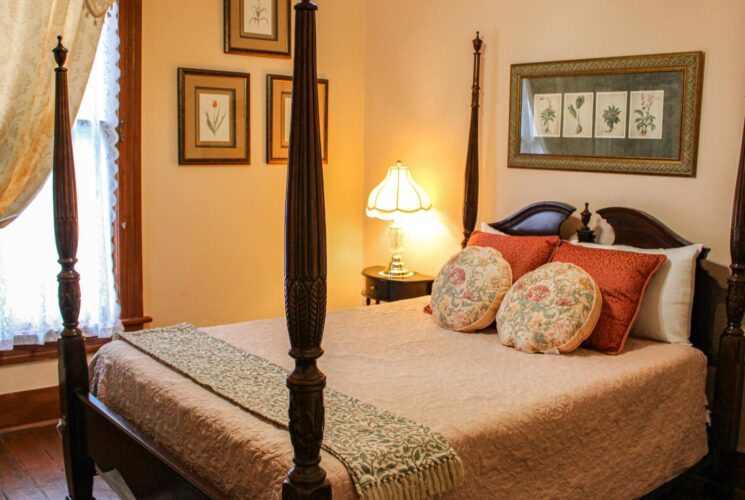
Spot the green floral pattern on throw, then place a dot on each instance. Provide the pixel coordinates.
(552, 309)
(388, 457)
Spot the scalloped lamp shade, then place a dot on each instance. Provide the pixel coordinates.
(398, 194)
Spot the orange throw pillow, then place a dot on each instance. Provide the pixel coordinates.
(524, 253)
(622, 277)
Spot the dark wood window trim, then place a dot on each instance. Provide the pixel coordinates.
(128, 224)
(128, 234)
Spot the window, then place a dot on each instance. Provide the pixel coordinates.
(29, 312)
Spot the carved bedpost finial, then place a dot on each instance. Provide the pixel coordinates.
(585, 234)
(586, 216)
(477, 42)
(60, 54)
(471, 191)
(306, 5)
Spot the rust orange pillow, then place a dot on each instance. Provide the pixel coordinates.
(524, 253)
(622, 277)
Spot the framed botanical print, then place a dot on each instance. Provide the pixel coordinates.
(213, 117)
(279, 113)
(637, 114)
(260, 27)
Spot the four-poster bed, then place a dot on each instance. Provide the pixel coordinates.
(95, 436)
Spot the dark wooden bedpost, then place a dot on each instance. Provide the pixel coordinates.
(731, 363)
(73, 367)
(471, 196)
(305, 267)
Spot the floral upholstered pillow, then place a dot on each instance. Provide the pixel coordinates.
(469, 288)
(550, 310)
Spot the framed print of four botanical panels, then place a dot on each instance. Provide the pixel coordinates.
(637, 114)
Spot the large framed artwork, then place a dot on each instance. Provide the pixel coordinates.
(634, 115)
(213, 117)
(259, 27)
(279, 113)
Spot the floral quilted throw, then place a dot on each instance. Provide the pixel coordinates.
(387, 457)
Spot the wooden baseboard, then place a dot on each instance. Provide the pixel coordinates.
(19, 409)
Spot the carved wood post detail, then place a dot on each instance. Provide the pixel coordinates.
(305, 267)
(731, 363)
(471, 196)
(73, 367)
(585, 234)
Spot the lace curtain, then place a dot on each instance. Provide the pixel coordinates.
(29, 312)
(28, 31)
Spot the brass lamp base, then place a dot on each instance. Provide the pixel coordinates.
(396, 269)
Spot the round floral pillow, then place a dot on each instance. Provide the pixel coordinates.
(552, 309)
(467, 292)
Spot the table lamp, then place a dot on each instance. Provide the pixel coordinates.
(392, 199)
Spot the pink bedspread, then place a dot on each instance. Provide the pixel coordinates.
(526, 426)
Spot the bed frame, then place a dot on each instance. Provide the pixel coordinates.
(95, 437)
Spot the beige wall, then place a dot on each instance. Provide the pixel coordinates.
(213, 235)
(27, 376)
(417, 99)
(418, 69)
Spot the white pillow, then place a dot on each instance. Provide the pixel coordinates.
(665, 313)
(486, 228)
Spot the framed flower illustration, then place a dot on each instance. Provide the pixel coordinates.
(279, 113)
(213, 117)
(633, 115)
(257, 27)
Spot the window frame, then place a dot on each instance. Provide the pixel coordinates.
(128, 233)
(128, 222)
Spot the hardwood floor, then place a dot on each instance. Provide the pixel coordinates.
(31, 467)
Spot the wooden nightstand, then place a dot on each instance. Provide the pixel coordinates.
(382, 289)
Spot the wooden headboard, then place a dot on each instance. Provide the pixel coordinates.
(639, 229)
(537, 219)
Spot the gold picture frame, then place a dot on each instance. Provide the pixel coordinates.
(257, 27)
(278, 112)
(213, 117)
(633, 115)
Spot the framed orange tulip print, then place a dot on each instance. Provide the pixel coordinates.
(213, 117)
